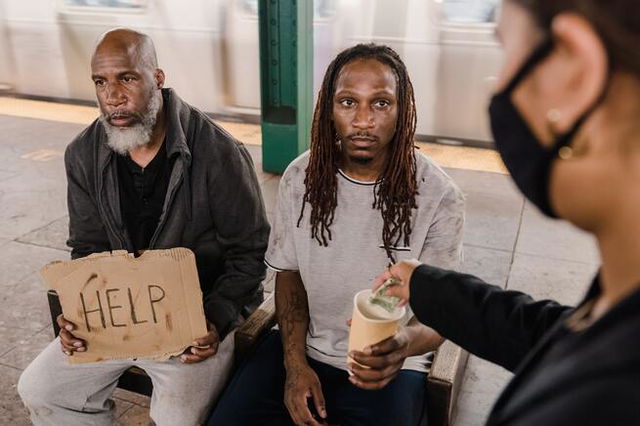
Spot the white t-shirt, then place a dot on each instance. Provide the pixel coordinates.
(355, 255)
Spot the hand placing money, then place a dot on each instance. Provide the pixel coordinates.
(380, 299)
(395, 281)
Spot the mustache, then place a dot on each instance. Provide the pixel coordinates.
(362, 135)
(119, 114)
(122, 114)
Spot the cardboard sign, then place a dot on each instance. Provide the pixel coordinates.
(124, 307)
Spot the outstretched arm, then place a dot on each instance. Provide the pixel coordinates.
(498, 325)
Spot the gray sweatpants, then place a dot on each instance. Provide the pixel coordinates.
(59, 393)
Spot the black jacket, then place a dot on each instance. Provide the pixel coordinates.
(213, 206)
(562, 377)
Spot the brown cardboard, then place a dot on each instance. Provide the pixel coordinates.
(148, 307)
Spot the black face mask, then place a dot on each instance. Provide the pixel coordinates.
(528, 160)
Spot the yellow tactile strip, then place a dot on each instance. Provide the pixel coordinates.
(52, 111)
(459, 157)
(462, 157)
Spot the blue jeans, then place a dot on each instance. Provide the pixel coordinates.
(255, 395)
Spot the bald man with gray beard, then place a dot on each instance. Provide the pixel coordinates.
(152, 172)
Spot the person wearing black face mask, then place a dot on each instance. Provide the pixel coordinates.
(565, 123)
(527, 159)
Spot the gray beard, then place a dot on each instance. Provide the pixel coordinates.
(124, 139)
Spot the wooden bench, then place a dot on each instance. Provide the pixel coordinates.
(443, 381)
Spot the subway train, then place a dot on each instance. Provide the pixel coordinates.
(209, 51)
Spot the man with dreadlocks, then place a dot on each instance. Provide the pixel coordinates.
(360, 199)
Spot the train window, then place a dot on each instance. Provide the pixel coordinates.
(250, 7)
(470, 11)
(120, 4)
(321, 8)
(324, 8)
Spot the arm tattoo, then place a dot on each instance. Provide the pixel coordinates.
(294, 310)
(293, 313)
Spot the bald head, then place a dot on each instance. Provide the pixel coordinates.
(128, 86)
(138, 46)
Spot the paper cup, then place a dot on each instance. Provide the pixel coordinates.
(367, 329)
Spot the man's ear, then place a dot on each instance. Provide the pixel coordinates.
(159, 77)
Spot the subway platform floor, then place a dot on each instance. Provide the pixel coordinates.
(507, 242)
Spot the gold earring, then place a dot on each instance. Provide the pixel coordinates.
(565, 153)
(553, 116)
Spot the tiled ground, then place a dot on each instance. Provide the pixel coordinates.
(506, 242)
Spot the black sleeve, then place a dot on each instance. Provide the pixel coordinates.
(242, 231)
(608, 398)
(86, 232)
(497, 325)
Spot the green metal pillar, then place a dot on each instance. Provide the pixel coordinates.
(286, 80)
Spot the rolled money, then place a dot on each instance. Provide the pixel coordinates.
(388, 303)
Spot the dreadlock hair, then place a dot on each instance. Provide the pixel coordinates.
(396, 188)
